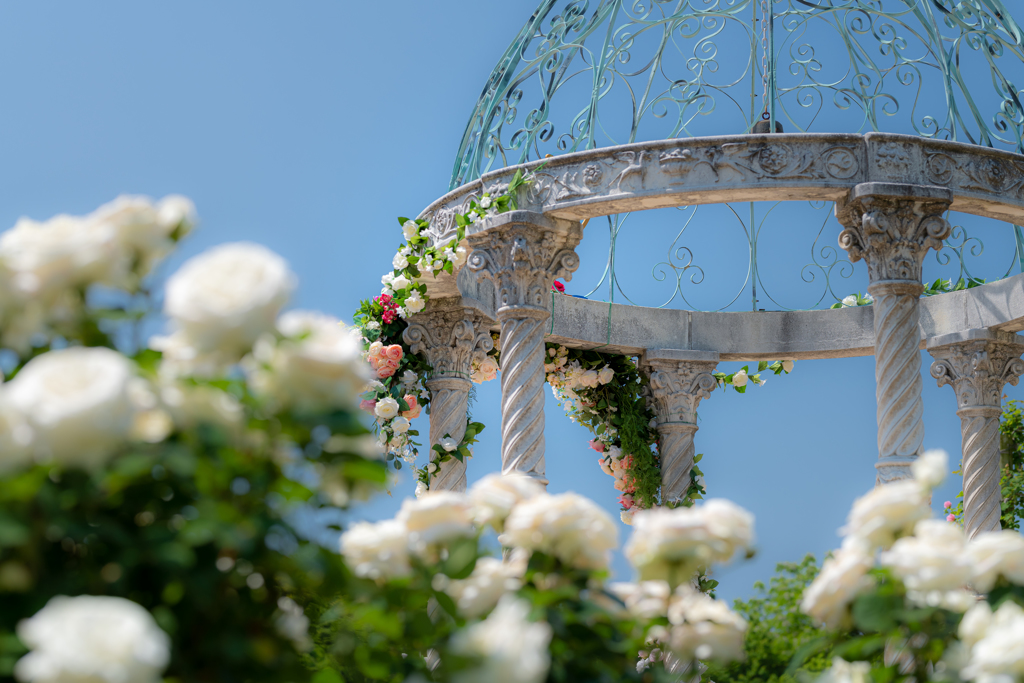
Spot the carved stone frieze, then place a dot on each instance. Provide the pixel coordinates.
(450, 336)
(522, 254)
(892, 229)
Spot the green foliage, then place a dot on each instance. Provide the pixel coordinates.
(1011, 428)
(777, 631)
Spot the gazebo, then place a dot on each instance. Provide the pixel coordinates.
(609, 108)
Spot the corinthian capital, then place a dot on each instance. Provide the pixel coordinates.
(977, 364)
(451, 333)
(679, 381)
(522, 253)
(892, 227)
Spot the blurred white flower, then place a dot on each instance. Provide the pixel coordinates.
(400, 425)
(645, 600)
(996, 642)
(415, 302)
(704, 628)
(421, 489)
(449, 444)
(787, 365)
(567, 526)
(436, 518)
(377, 551)
(740, 379)
(146, 232)
(223, 299)
(850, 301)
(477, 594)
(15, 436)
(994, 554)
(399, 262)
(400, 282)
(316, 367)
(930, 469)
(494, 496)
(460, 258)
(191, 405)
(843, 671)
(386, 408)
(292, 623)
(887, 512)
(605, 375)
(933, 559)
(513, 649)
(842, 578)
(77, 402)
(92, 639)
(410, 229)
(672, 544)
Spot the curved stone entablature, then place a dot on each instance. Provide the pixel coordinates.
(770, 335)
(794, 167)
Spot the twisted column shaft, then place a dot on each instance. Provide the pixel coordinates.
(449, 400)
(898, 386)
(982, 494)
(522, 392)
(675, 444)
(892, 227)
(977, 364)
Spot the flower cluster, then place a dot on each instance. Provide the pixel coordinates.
(47, 267)
(741, 378)
(854, 300)
(391, 310)
(384, 360)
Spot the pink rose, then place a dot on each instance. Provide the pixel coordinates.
(374, 362)
(947, 505)
(597, 446)
(367, 405)
(414, 407)
(950, 518)
(394, 352)
(391, 364)
(626, 501)
(384, 371)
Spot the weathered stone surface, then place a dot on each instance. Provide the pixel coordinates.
(977, 364)
(679, 380)
(450, 333)
(521, 253)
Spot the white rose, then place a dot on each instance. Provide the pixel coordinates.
(512, 649)
(740, 379)
(567, 526)
(386, 408)
(92, 639)
(421, 489)
(846, 672)
(377, 551)
(645, 600)
(994, 554)
(930, 469)
(410, 229)
(415, 302)
(589, 379)
(77, 402)
(485, 202)
(672, 544)
(477, 594)
(146, 232)
(933, 559)
(460, 256)
(787, 365)
(850, 301)
(494, 496)
(843, 577)
(431, 468)
(886, 512)
(400, 262)
(999, 655)
(225, 298)
(400, 425)
(704, 628)
(317, 367)
(437, 518)
(605, 375)
(387, 279)
(400, 282)
(449, 444)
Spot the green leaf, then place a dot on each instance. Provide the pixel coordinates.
(327, 676)
(461, 559)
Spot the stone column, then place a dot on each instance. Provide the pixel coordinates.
(450, 332)
(679, 380)
(977, 364)
(892, 227)
(521, 253)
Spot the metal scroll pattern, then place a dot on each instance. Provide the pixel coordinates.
(587, 73)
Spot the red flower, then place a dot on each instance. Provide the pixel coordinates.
(558, 287)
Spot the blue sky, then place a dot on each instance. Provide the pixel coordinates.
(309, 126)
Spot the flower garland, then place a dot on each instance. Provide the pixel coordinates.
(398, 393)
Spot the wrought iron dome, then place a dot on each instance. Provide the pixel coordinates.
(583, 74)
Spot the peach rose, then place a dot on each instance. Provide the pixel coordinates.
(374, 362)
(384, 371)
(414, 407)
(394, 352)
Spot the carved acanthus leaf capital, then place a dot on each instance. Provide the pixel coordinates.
(892, 233)
(450, 336)
(523, 256)
(978, 369)
(677, 388)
